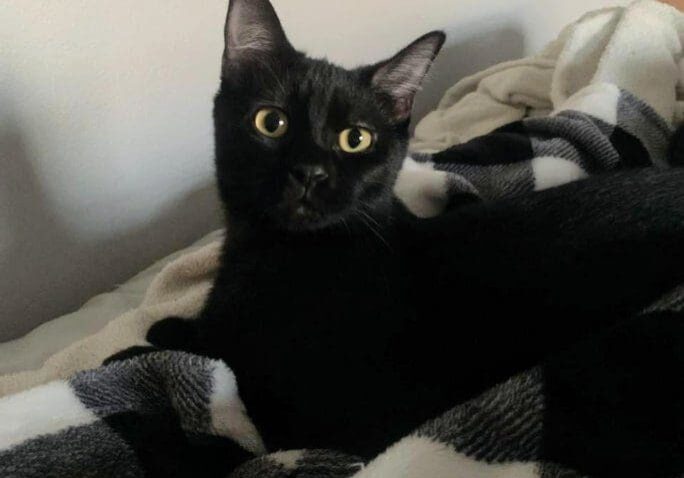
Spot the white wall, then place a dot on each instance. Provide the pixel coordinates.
(105, 120)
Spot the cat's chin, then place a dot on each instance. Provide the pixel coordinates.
(308, 222)
(303, 218)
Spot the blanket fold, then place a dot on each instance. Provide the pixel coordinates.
(637, 48)
(160, 414)
(603, 96)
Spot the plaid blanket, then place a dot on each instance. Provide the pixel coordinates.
(161, 414)
(602, 128)
(603, 96)
(598, 409)
(171, 414)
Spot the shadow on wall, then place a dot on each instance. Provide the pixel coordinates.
(464, 58)
(46, 270)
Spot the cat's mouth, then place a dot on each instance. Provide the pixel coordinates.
(305, 215)
(301, 211)
(306, 211)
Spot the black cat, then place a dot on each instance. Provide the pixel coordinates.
(346, 321)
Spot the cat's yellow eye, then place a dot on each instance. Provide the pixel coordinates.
(270, 122)
(355, 140)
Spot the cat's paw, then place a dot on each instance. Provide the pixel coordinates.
(129, 353)
(173, 333)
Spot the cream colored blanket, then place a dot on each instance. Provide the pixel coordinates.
(179, 289)
(638, 48)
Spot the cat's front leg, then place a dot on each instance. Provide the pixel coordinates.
(172, 333)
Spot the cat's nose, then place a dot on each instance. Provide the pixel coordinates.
(309, 175)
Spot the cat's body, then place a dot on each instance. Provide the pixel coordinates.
(346, 321)
(342, 340)
(316, 324)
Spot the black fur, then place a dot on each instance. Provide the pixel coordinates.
(614, 404)
(350, 326)
(676, 148)
(256, 174)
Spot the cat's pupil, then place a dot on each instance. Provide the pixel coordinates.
(272, 121)
(355, 137)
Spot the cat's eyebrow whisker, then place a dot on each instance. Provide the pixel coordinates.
(268, 68)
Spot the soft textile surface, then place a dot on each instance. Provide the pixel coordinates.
(539, 153)
(158, 414)
(609, 84)
(632, 53)
(175, 414)
(179, 289)
(632, 47)
(567, 407)
(32, 350)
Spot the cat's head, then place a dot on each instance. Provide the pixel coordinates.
(303, 144)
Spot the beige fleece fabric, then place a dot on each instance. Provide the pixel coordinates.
(180, 289)
(638, 48)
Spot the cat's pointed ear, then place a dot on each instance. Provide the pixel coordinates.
(399, 78)
(252, 32)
